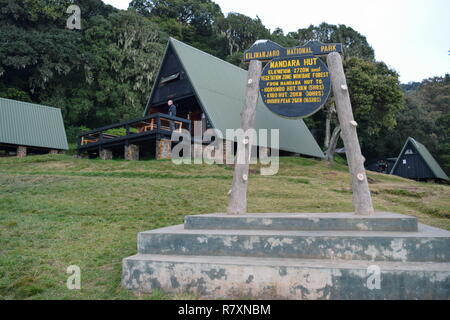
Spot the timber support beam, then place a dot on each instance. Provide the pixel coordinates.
(362, 200)
(238, 195)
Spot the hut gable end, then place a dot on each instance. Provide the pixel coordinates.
(416, 162)
(219, 88)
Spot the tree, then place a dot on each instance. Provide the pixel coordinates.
(125, 52)
(377, 100)
(191, 21)
(121, 57)
(331, 150)
(29, 14)
(35, 48)
(201, 14)
(354, 44)
(241, 31)
(279, 37)
(443, 149)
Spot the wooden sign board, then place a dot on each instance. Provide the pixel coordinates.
(295, 87)
(266, 50)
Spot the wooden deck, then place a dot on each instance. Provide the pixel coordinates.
(152, 127)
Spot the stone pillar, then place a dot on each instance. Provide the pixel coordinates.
(106, 154)
(54, 151)
(264, 152)
(21, 151)
(228, 156)
(131, 152)
(163, 149)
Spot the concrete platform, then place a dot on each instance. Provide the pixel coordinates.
(271, 278)
(429, 244)
(293, 256)
(344, 221)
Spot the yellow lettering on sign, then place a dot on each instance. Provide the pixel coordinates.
(330, 47)
(274, 89)
(296, 79)
(314, 93)
(262, 55)
(320, 74)
(301, 70)
(316, 87)
(278, 71)
(278, 101)
(310, 61)
(290, 83)
(297, 51)
(284, 63)
(270, 78)
(302, 76)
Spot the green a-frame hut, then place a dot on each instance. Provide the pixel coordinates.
(206, 88)
(416, 162)
(28, 128)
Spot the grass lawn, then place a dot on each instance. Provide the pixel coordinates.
(57, 211)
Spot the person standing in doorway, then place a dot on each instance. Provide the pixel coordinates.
(172, 113)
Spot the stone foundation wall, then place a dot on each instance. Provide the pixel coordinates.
(131, 152)
(21, 151)
(106, 154)
(163, 149)
(81, 156)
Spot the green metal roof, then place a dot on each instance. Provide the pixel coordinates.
(220, 89)
(427, 157)
(28, 124)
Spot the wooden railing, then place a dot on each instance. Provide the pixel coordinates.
(156, 122)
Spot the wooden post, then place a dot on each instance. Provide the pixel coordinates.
(362, 201)
(238, 196)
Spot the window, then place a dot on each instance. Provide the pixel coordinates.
(173, 77)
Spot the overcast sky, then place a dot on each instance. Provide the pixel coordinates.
(411, 36)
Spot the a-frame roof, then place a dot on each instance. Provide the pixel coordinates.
(220, 89)
(29, 124)
(426, 156)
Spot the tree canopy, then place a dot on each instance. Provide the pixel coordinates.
(354, 43)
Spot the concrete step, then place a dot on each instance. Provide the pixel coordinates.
(428, 244)
(339, 221)
(274, 278)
